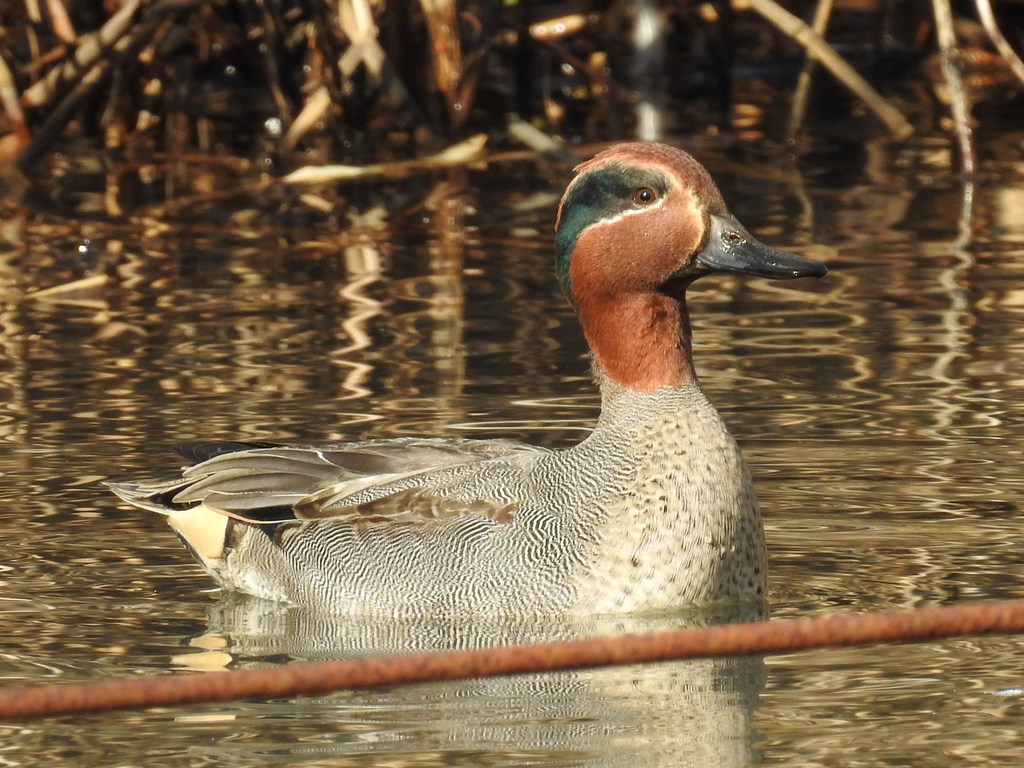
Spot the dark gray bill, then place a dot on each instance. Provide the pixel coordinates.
(730, 248)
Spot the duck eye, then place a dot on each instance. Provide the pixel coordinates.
(644, 196)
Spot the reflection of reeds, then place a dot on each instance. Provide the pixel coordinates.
(363, 264)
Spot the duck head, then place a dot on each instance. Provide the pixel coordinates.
(637, 225)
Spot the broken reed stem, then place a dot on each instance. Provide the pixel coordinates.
(86, 55)
(446, 52)
(10, 103)
(60, 22)
(958, 100)
(60, 116)
(316, 104)
(803, 84)
(309, 678)
(961, 110)
(356, 20)
(268, 35)
(791, 25)
(988, 21)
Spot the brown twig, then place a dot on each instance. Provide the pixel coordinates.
(9, 101)
(316, 104)
(290, 680)
(60, 22)
(356, 20)
(86, 55)
(836, 64)
(269, 35)
(951, 64)
(123, 39)
(803, 84)
(33, 11)
(988, 21)
(446, 52)
(60, 116)
(465, 151)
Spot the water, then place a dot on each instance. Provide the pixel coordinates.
(879, 410)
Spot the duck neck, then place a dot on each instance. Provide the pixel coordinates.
(640, 340)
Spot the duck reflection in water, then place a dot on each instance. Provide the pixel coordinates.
(672, 714)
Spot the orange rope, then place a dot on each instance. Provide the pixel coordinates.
(1006, 617)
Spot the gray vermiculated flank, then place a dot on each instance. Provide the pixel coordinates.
(654, 509)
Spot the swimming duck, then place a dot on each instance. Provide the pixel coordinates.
(654, 509)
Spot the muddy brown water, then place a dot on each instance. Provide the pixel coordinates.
(880, 410)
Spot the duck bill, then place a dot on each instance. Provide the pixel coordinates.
(730, 248)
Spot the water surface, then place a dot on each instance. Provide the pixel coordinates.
(879, 409)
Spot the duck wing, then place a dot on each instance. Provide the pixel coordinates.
(405, 480)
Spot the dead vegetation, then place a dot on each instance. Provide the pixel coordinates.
(252, 86)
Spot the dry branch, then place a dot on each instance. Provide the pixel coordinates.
(823, 52)
(803, 84)
(86, 55)
(951, 64)
(988, 21)
(60, 22)
(9, 100)
(457, 154)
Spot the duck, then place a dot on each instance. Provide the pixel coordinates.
(654, 510)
